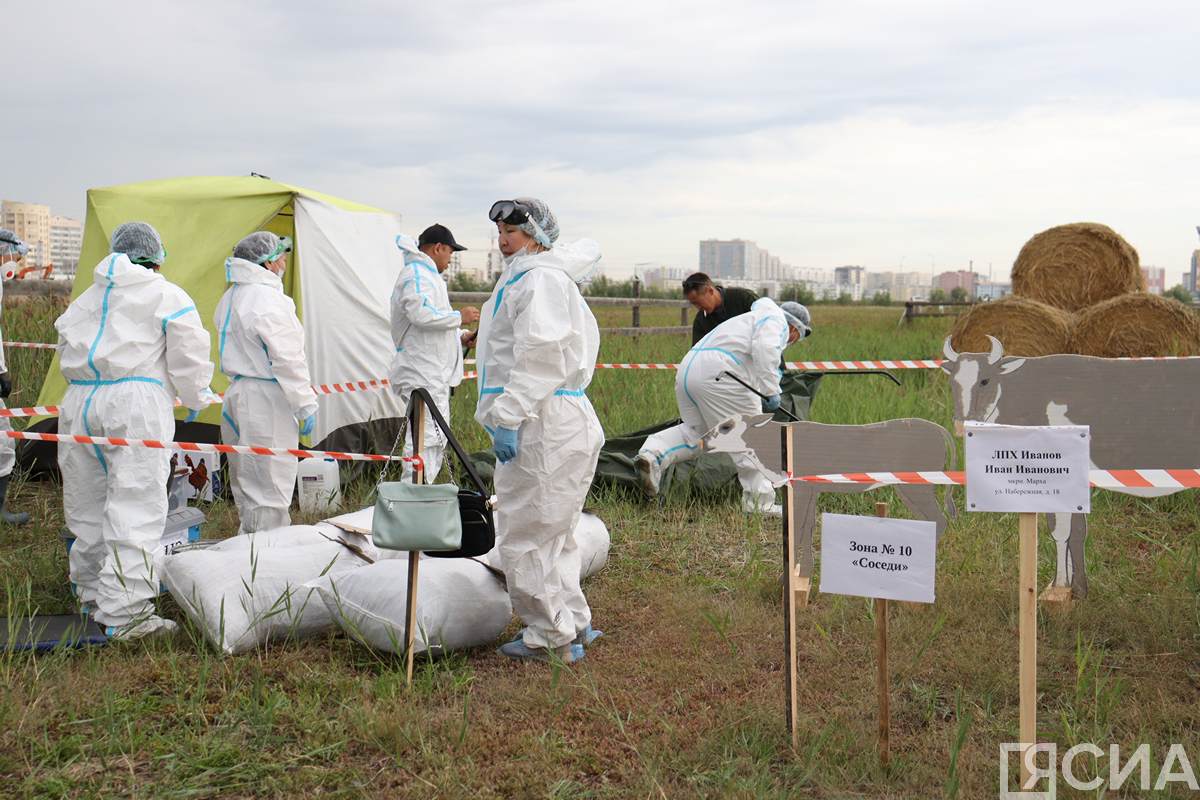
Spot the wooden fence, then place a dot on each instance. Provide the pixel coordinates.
(919, 309)
(633, 303)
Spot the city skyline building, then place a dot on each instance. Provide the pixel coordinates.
(66, 240)
(1155, 278)
(52, 240)
(849, 280)
(958, 279)
(31, 223)
(495, 262)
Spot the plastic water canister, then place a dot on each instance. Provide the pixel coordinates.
(318, 485)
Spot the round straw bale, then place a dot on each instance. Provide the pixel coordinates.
(1137, 324)
(1075, 266)
(1024, 327)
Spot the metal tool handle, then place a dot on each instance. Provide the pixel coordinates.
(757, 392)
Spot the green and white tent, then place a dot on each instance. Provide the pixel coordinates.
(340, 274)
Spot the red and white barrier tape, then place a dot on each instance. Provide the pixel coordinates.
(29, 411)
(201, 447)
(351, 386)
(31, 345)
(1099, 478)
(845, 366)
(325, 388)
(823, 366)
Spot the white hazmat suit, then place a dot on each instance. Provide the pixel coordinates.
(749, 346)
(261, 346)
(128, 345)
(537, 349)
(427, 334)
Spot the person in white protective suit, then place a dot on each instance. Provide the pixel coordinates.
(11, 251)
(128, 346)
(270, 402)
(750, 347)
(538, 343)
(428, 336)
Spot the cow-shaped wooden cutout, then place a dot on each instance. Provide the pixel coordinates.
(898, 445)
(1143, 414)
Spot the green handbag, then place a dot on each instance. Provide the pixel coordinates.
(415, 516)
(411, 516)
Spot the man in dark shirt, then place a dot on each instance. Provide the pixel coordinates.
(714, 304)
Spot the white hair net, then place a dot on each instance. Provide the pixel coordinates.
(544, 219)
(261, 247)
(797, 317)
(140, 242)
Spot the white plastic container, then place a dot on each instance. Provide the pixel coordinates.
(319, 485)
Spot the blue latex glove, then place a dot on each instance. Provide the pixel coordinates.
(191, 415)
(504, 444)
(771, 403)
(307, 425)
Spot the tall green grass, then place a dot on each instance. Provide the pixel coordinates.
(683, 696)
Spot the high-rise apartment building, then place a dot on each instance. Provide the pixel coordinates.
(31, 223)
(901, 286)
(959, 279)
(1155, 278)
(66, 238)
(495, 262)
(850, 280)
(732, 258)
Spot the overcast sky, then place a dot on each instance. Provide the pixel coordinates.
(914, 135)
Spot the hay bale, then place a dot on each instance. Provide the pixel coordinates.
(1137, 324)
(1024, 327)
(1075, 266)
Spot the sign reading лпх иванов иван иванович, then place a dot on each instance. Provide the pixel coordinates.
(1028, 469)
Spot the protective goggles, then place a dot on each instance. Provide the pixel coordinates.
(152, 263)
(284, 246)
(511, 212)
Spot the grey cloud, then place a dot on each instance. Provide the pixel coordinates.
(473, 96)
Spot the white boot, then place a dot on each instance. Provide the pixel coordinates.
(649, 473)
(761, 504)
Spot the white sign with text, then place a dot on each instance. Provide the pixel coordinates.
(1025, 469)
(892, 559)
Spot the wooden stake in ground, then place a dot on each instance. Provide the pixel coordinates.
(416, 435)
(1027, 555)
(791, 595)
(883, 679)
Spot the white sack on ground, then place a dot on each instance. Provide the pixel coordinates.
(594, 542)
(242, 596)
(592, 535)
(460, 604)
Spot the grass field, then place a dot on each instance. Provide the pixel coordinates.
(684, 695)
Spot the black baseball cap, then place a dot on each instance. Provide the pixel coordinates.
(439, 234)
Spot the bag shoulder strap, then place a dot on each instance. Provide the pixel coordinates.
(387, 465)
(497, 574)
(453, 442)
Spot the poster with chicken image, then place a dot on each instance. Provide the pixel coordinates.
(195, 475)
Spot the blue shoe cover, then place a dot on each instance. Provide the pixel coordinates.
(588, 635)
(517, 649)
